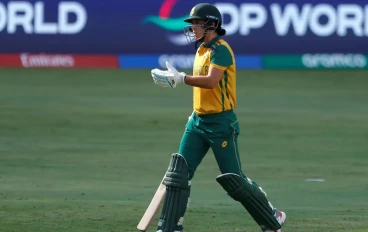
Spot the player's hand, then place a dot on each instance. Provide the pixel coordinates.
(168, 78)
(179, 77)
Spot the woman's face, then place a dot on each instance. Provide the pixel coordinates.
(197, 28)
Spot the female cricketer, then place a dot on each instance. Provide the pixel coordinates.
(213, 124)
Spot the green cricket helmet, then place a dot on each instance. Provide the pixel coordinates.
(204, 11)
(209, 14)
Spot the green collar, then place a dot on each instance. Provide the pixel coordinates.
(214, 40)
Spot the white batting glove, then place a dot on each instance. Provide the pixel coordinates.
(168, 78)
(179, 77)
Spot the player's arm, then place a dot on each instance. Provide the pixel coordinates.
(221, 58)
(208, 82)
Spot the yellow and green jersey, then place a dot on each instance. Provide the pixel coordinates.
(216, 53)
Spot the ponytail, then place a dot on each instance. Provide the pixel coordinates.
(220, 31)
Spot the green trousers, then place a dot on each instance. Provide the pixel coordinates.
(216, 131)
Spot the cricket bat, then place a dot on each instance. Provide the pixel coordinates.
(153, 207)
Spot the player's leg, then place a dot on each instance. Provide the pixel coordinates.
(177, 193)
(193, 147)
(254, 201)
(224, 143)
(236, 184)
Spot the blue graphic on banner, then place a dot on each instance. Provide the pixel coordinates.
(156, 26)
(248, 62)
(180, 61)
(139, 61)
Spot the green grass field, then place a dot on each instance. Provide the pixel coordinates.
(85, 150)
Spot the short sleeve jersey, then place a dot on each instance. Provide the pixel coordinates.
(216, 53)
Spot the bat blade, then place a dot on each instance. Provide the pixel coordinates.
(153, 208)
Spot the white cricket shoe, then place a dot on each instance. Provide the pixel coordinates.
(281, 218)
